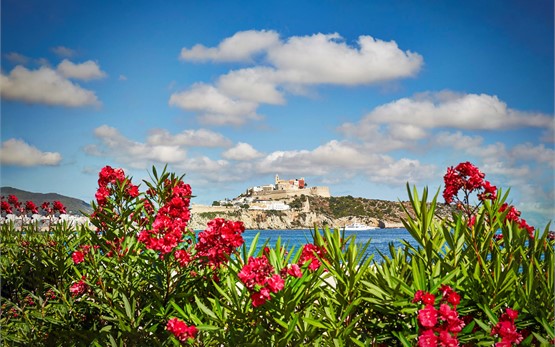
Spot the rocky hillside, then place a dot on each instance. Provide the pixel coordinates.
(309, 211)
(73, 206)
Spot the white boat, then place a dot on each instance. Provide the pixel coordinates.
(358, 227)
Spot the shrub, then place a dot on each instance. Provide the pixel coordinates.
(141, 277)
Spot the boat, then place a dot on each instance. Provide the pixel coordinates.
(358, 227)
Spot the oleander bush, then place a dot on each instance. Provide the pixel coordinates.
(141, 277)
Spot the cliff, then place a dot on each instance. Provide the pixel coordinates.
(308, 211)
(280, 220)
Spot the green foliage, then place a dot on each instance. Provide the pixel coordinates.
(350, 300)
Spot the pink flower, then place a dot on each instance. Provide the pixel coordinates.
(294, 270)
(78, 288)
(260, 279)
(447, 340)
(275, 283)
(182, 256)
(180, 330)
(427, 338)
(428, 316)
(506, 329)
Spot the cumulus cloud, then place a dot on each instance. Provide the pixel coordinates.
(19, 153)
(291, 66)
(238, 48)
(44, 86)
(344, 159)
(328, 59)
(190, 138)
(86, 71)
(258, 85)
(241, 151)
(213, 106)
(132, 153)
(400, 123)
(62, 51)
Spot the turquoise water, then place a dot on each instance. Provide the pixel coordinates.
(379, 238)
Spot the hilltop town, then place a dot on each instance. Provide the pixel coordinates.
(291, 204)
(269, 197)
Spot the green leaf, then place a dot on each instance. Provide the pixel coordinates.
(314, 322)
(205, 309)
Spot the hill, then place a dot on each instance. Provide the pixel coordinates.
(309, 210)
(73, 206)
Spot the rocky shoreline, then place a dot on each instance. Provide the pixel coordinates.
(282, 220)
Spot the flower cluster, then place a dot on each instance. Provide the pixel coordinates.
(439, 326)
(260, 279)
(312, 254)
(514, 216)
(79, 288)
(219, 241)
(79, 255)
(180, 330)
(11, 205)
(170, 222)
(469, 178)
(506, 329)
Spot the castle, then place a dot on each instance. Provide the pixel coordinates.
(284, 189)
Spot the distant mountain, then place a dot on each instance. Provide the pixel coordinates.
(73, 206)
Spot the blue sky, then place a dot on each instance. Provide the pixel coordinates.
(361, 96)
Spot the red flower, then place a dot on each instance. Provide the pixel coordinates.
(58, 206)
(427, 338)
(6, 207)
(294, 270)
(427, 316)
(506, 329)
(260, 279)
(180, 330)
(447, 340)
(220, 239)
(428, 299)
(78, 257)
(31, 207)
(182, 256)
(78, 288)
(311, 254)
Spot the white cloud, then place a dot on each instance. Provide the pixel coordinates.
(213, 106)
(452, 110)
(239, 47)
(122, 78)
(17, 58)
(257, 84)
(86, 71)
(404, 122)
(342, 159)
(134, 154)
(328, 59)
(62, 51)
(45, 86)
(19, 153)
(540, 153)
(242, 151)
(190, 138)
(293, 66)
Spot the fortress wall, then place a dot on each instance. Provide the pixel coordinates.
(204, 208)
(289, 193)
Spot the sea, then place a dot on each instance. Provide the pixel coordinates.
(379, 238)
